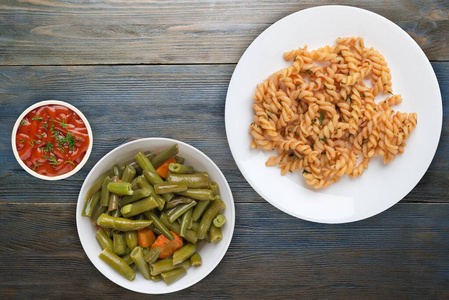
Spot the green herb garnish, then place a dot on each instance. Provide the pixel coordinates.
(36, 165)
(23, 123)
(308, 71)
(36, 118)
(48, 147)
(51, 160)
(321, 118)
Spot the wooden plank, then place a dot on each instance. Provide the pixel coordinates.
(36, 32)
(124, 103)
(401, 253)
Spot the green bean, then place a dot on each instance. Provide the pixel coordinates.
(190, 236)
(219, 220)
(115, 213)
(121, 224)
(117, 264)
(199, 194)
(179, 210)
(156, 278)
(134, 184)
(127, 258)
(154, 178)
(131, 239)
(215, 234)
(164, 188)
(194, 225)
(214, 187)
(195, 260)
(118, 244)
(120, 188)
(144, 163)
(139, 260)
(97, 185)
(178, 200)
(199, 209)
(98, 210)
(137, 195)
(185, 222)
(159, 225)
(180, 168)
(153, 255)
(138, 207)
(164, 155)
(143, 183)
(173, 275)
(179, 159)
(208, 217)
(116, 170)
(165, 265)
(113, 198)
(184, 253)
(128, 174)
(90, 204)
(193, 181)
(104, 194)
(155, 230)
(103, 239)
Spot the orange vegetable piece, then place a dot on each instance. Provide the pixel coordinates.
(146, 237)
(168, 247)
(162, 170)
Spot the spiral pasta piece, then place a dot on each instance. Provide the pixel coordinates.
(323, 119)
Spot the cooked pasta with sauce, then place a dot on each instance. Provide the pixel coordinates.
(322, 116)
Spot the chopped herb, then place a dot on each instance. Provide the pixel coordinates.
(321, 118)
(308, 71)
(364, 141)
(323, 139)
(62, 123)
(23, 123)
(339, 53)
(390, 93)
(363, 95)
(41, 135)
(36, 118)
(294, 59)
(70, 162)
(51, 160)
(22, 140)
(36, 165)
(48, 147)
(305, 171)
(31, 143)
(339, 61)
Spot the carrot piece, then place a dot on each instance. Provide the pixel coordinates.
(146, 237)
(162, 170)
(167, 247)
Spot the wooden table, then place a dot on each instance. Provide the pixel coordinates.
(161, 68)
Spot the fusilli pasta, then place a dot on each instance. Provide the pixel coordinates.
(321, 116)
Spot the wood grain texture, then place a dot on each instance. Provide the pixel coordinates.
(61, 32)
(400, 253)
(124, 103)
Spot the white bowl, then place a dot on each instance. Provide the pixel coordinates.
(51, 102)
(211, 254)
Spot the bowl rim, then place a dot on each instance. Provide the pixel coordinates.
(230, 204)
(51, 102)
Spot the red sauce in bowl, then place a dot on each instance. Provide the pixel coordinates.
(52, 140)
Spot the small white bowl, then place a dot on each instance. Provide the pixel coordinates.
(39, 104)
(211, 254)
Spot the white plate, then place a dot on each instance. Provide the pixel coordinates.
(381, 186)
(211, 254)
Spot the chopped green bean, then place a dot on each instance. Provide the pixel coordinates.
(113, 198)
(190, 236)
(104, 195)
(164, 188)
(208, 217)
(179, 210)
(103, 239)
(184, 253)
(193, 181)
(153, 255)
(195, 260)
(137, 195)
(215, 234)
(164, 155)
(128, 174)
(159, 225)
(120, 188)
(139, 260)
(90, 204)
(199, 209)
(178, 200)
(219, 220)
(117, 264)
(118, 244)
(116, 170)
(173, 275)
(199, 194)
(138, 207)
(121, 224)
(185, 222)
(131, 239)
(180, 168)
(97, 185)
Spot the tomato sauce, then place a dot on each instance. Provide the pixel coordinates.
(52, 140)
